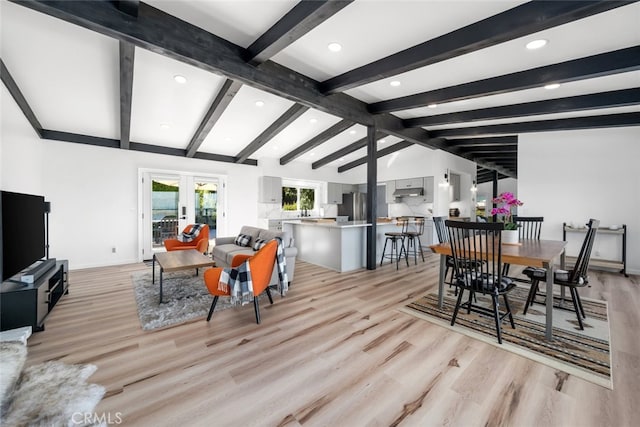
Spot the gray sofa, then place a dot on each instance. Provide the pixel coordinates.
(225, 249)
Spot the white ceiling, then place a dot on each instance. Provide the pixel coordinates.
(70, 75)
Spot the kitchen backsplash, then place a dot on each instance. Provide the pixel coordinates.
(274, 211)
(411, 206)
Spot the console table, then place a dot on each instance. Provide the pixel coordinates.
(28, 304)
(620, 264)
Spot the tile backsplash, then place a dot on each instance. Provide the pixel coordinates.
(410, 207)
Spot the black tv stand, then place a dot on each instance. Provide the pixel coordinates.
(28, 304)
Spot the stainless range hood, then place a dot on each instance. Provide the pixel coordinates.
(402, 192)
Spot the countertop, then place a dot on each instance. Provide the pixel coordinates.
(346, 224)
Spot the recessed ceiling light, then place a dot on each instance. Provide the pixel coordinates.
(180, 79)
(314, 120)
(352, 132)
(395, 83)
(311, 154)
(275, 148)
(536, 44)
(165, 126)
(341, 159)
(334, 47)
(432, 105)
(259, 103)
(382, 141)
(552, 86)
(227, 139)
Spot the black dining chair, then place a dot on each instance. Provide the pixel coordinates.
(572, 279)
(529, 227)
(443, 237)
(477, 259)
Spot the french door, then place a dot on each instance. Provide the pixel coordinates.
(172, 200)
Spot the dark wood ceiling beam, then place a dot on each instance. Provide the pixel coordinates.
(590, 122)
(478, 142)
(17, 95)
(130, 7)
(355, 146)
(169, 36)
(489, 155)
(135, 146)
(276, 127)
(127, 57)
(611, 99)
(604, 64)
(220, 103)
(323, 137)
(380, 153)
(490, 149)
(519, 21)
(302, 18)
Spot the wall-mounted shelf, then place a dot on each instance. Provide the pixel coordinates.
(596, 262)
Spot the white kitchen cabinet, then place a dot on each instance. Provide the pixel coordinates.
(409, 183)
(270, 189)
(275, 224)
(349, 188)
(390, 189)
(428, 189)
(334, 193)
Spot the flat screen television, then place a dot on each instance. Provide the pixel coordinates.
(23, 231)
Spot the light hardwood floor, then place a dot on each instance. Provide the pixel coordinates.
(334, 352)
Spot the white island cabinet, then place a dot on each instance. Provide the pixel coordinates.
(338, 246)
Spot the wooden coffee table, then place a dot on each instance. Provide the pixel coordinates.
(178, 260)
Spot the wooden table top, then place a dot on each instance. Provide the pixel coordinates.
(181, 260)
(531, 252)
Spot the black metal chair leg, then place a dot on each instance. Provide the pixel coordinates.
(584, 316)
(576, 308)
(455, 310)
(269, 295)
(213, 307)
(420, 246)
(257, 309)
(383, 251)
(531, 296)
(496, 316)
(506, 304)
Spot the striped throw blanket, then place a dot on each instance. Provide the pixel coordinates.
(238, 280)
(190, 235)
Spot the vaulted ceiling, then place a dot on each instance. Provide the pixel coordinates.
(261, 81)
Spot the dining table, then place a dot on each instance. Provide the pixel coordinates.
(527, 252)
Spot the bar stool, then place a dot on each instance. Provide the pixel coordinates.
(412, 236)
(396, 237)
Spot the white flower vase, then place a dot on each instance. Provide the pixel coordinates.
(510, 237)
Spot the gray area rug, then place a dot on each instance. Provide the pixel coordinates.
(185, 297)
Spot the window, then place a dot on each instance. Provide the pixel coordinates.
(298, 198)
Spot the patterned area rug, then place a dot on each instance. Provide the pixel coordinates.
(184, 295)
(585, 354)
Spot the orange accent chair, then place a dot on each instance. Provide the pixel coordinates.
(261, 265)
(200, 243)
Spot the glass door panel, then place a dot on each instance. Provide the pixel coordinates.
(206, 204)
(172, 200)
(165, 198)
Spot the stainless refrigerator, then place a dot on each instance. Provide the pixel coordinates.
(354, 205)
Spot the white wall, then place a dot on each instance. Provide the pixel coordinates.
(572, 176)
(485, 190)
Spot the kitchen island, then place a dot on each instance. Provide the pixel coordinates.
(340, 246)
